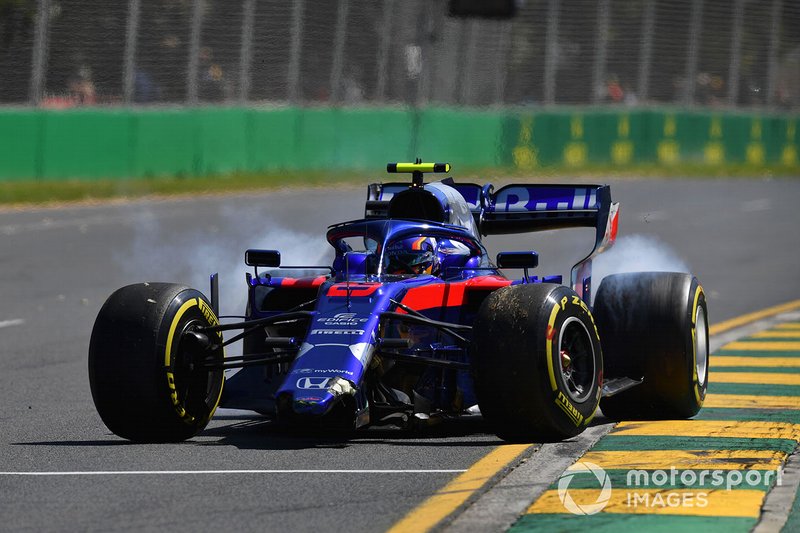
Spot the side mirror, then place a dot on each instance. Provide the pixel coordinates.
(523, 260)
(518, 259)
(262, 258)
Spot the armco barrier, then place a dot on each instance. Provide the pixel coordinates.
(93, 143)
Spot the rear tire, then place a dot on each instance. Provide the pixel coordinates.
(654, 325)
(537, 363)
(146, 383)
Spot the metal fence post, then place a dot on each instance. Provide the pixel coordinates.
(246, 51)
(501, 60)
(695, 25)
(293, 76)
(466, 92)
(772, 66)
(736, 53)
(383, 50)
(551, 52)
(646, 52)
(129, 64)
(40, 44)
(425, 36)
(601, 52)
(338, 50)
(461, 46)
(194, 51)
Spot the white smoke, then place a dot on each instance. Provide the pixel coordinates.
(636, 253)
(189, 257)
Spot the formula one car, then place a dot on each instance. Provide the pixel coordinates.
(413, 323)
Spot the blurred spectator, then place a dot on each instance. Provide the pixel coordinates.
(80, 91)
(81, 88)
(145, 89)
(353, 89)
(212, 85)
(630, 96)
(615, 91)
(710, 90)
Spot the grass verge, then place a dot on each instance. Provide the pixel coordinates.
(44, 192)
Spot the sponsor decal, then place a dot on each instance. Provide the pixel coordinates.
(354, 290)
(173, 395)
(567, 407)
(208, 314)
(337, 332)
(577, 301)
(526, 199)
(321, 371)
(308, 399)
(313, 382)
(347, 320)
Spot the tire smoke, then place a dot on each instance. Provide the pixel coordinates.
(191, 256)
(636, 253)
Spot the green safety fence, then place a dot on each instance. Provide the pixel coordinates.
(94, 143)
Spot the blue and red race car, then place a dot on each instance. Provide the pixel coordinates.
(414, 322)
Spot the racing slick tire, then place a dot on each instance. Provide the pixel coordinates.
(537, 363)
(654, 326)
(145, 374)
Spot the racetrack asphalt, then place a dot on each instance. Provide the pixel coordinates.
(58, 265)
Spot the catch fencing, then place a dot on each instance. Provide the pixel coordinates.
(692, 53)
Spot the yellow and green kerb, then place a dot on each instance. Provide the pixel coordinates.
(662, 472)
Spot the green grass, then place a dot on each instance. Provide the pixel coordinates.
(44, 192)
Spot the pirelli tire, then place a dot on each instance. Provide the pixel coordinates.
(654, 326)
(537, 363)
(145, 374)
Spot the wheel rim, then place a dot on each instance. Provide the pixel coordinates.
(701, 346)
(193, 384)
(576, 360)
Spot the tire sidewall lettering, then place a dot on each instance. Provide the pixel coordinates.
(575, 414)
(194, 308)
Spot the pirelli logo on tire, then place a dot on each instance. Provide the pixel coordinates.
(572, 412)
(209, 315)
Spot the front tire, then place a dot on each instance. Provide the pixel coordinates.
(145, 374)
(536, 362)
(654, 325)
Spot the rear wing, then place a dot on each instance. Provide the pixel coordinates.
(523, 208)
(517, 208)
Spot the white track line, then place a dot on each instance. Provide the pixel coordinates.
(195, 472)
(9, 323)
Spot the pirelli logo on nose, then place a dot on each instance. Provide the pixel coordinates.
(566, 406)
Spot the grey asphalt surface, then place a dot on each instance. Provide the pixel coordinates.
(740, 237)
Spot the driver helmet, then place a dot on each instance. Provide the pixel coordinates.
(416, 255)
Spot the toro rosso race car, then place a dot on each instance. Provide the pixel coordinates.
(413, 322)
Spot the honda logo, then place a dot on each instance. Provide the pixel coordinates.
(312, 383)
